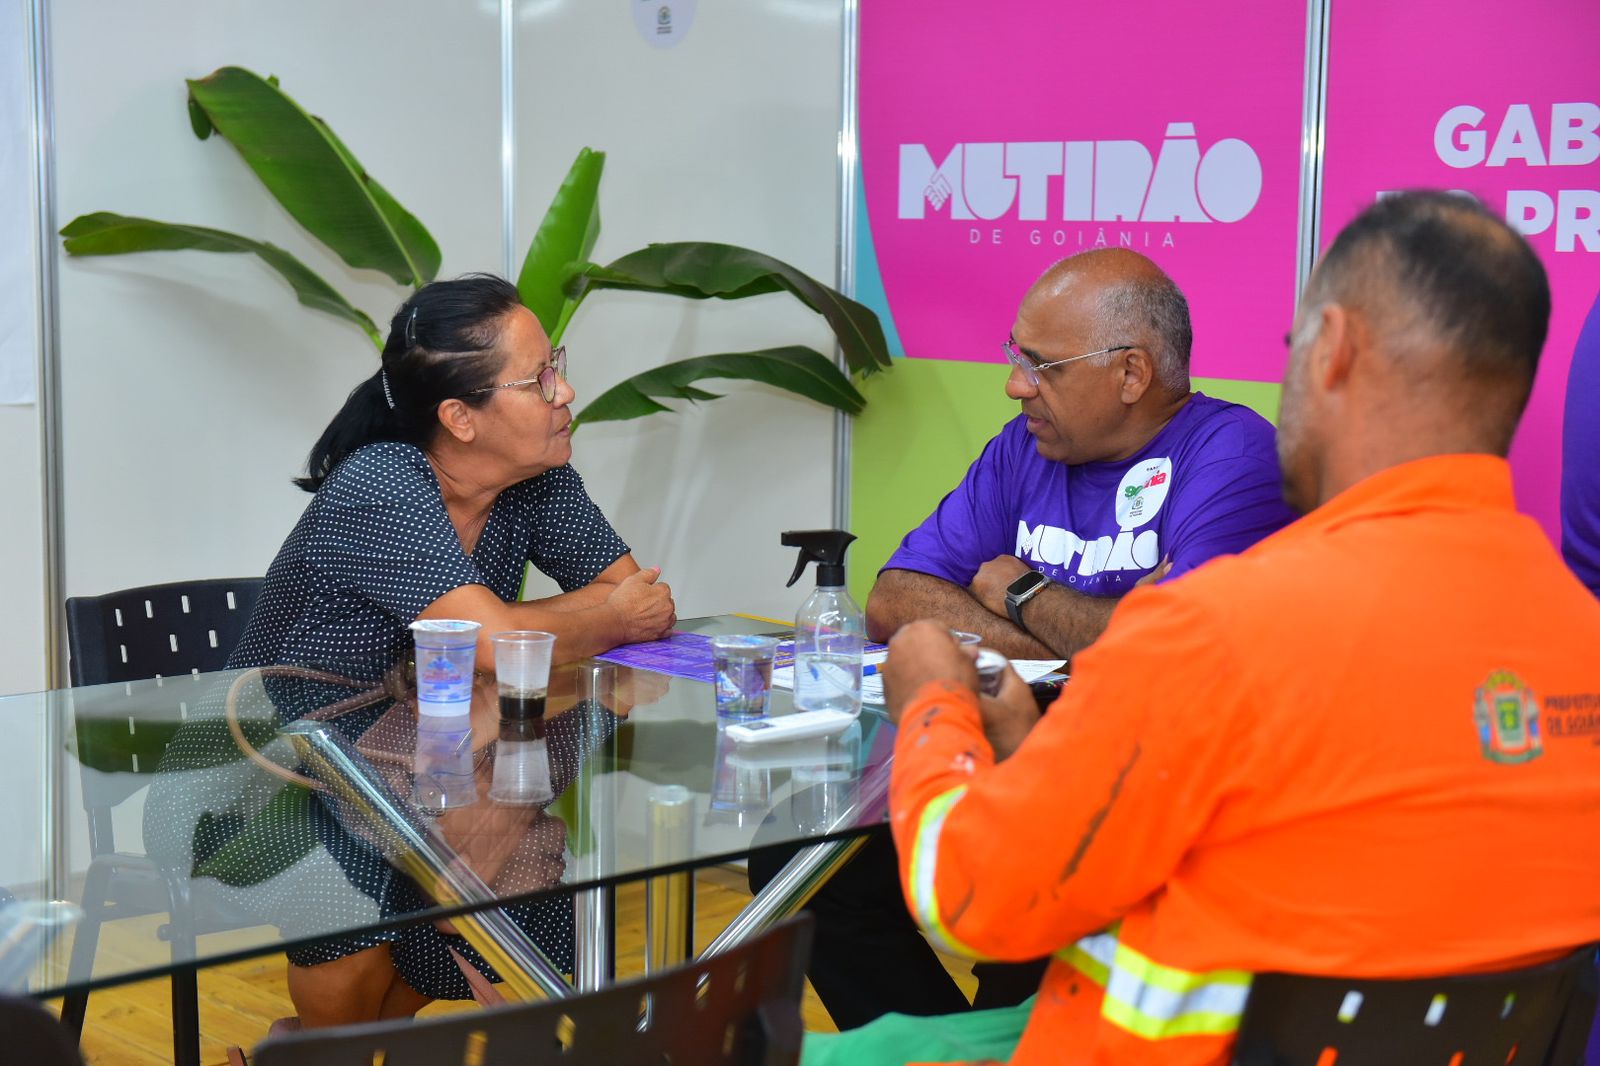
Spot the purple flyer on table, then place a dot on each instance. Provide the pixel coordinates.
(682, 654)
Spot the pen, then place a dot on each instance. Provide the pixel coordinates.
(868, 671)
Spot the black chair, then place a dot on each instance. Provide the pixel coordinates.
(160, 631)
(741, 1007)
(30, 1034)
(1534, 1017)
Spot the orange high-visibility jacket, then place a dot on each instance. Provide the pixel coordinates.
(1369, 746)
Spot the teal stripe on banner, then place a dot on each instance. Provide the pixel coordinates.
(869, 281)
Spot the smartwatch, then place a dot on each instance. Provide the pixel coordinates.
(1021, 591)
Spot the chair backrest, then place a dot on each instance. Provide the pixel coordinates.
(157, 630)
(31, 1034)
(134, 635)
(741, 1007)
(1534, 1017)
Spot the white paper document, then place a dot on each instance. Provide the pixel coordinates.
(872, 683)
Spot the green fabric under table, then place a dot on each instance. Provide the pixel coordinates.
(972, 1036)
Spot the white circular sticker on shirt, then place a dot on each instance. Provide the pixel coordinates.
(1142, 492)
(663, 23)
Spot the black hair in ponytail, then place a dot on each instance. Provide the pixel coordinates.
(441, 346)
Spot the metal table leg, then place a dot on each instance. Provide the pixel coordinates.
(594, 954)
(668, 900)
(524, 968)
(592, 913)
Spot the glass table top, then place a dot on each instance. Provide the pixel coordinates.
(216, 816)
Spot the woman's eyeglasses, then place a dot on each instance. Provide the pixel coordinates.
(548, 379)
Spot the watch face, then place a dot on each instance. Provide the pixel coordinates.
(1024, 583)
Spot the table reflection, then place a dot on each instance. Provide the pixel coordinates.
(235, 801)
(824, 773)
(286, 804)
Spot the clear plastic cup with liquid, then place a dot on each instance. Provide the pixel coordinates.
(522, 669)
(744, 674)
(447, 649)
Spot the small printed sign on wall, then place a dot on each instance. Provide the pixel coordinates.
(663, 23)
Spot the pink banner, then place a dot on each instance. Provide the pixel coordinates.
(1498, 99)
(998, 138)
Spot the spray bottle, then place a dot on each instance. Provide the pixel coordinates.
(830, 630)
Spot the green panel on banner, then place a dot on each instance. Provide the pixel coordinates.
(926, 421)
(1261, 395)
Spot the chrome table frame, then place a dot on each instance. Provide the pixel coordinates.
(525, 969)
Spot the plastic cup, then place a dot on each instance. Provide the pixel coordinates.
(991, 671)
(447, 648)
(521, 773)
(522, 668)
(965, 639)
(744, 674)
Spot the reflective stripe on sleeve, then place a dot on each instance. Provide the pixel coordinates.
(1092, 956)
(1155, 1001)
(924, 873)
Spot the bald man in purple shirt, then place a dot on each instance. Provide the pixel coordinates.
(1580, 464)
(1580, 486)
(1116, 472)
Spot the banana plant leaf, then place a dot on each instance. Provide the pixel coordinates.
(313, 175)
(108, 745)
(105, 233)
(276, 838)
(566, 236)
(700, 270)
(796, 369)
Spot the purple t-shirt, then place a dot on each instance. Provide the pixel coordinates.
(1580, 457)
(1206, 485)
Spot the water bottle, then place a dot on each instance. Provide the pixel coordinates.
(830, 631)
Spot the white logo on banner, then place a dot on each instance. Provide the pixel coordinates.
(662, 23)
(1102, 181)
(1461, 140)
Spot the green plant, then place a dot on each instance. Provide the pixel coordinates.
(319, 181)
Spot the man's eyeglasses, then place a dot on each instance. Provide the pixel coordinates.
(1030, 369)
(548, 379)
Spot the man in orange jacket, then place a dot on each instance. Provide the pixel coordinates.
(1365, 747)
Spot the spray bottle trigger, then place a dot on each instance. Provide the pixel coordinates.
(799, 568)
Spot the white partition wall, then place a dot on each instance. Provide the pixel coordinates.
(730, 134)
(193, 384)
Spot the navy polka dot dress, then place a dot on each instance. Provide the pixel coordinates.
(374, 547)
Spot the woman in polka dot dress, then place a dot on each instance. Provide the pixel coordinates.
(442, 475)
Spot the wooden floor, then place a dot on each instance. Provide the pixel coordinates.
(131, 1025)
